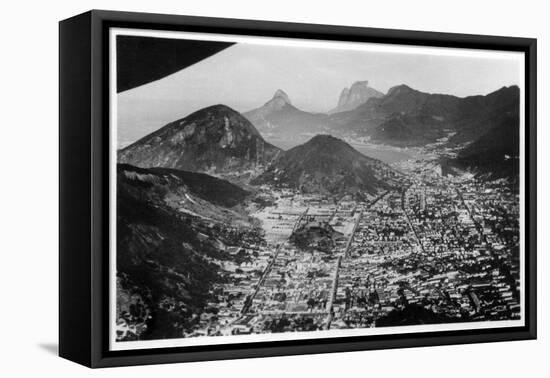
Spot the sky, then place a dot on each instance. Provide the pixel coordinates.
(246, 75)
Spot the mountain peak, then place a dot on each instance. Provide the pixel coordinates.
(354, 96)
(506, 90)
(360, 84)
(400, 89)
(279, 118)
(279, 102)
(326, 164)
(213, 139)
(324, 139)
(328, 144)
(282, 95)
(218, 108)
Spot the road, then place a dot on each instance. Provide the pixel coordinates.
(346, 255)
(409, 219)
(265, 273)
(333, 292)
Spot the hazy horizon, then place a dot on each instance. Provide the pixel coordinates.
(245, 76)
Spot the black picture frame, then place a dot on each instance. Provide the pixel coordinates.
(84, 194)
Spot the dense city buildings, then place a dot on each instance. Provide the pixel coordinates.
(435, 249)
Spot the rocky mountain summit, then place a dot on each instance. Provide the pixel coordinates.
(278, 118)
(356, 95)
(216, 139)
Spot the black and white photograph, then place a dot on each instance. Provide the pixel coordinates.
(267, 189)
